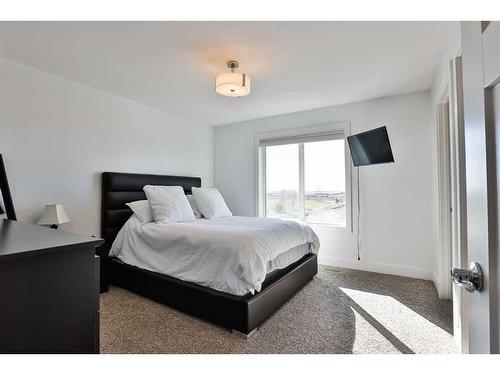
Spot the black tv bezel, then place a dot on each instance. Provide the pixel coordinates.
(5, 192)
(368, 132)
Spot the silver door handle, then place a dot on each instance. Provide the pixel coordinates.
(471, 279)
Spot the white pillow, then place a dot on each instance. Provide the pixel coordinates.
(194, 206)
(168, 204)
(211, 203)
(142, 210)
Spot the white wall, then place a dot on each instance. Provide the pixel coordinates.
(397, 199)
(57, 136)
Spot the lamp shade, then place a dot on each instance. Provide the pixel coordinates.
(232, 84)
(54, 214)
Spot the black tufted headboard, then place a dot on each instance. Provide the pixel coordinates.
(121, 188)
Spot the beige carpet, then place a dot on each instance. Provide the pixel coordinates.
(340, 311)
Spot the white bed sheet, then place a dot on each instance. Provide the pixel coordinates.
(230, 254)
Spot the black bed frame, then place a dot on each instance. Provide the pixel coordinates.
(239, 313)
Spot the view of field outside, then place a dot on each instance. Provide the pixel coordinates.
(324, 177)
(282, 181)
(324, 168)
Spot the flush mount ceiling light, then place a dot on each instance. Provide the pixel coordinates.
(232, 84)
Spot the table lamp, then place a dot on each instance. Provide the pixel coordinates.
(54, 215)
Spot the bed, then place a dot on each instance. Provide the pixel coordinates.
(241, 313)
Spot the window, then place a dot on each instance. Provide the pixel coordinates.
(304, 177)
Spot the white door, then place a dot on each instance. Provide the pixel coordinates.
(491, 73)
(479, 88)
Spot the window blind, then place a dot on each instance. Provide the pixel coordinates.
(301, 138)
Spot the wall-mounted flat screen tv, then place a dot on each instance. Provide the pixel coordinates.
(371, 147)
(5, 194)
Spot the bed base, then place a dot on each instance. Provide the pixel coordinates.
(245, 336)
(238, 313)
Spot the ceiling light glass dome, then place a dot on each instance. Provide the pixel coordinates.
(232, 83)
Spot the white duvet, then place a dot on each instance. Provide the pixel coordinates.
(228, 254)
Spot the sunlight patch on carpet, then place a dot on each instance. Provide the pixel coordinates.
(404, 328)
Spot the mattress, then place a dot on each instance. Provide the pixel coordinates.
(232, 254)
(288, 257)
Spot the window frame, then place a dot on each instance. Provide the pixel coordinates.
(343, 127)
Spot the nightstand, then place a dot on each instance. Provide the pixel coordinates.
(49, 290)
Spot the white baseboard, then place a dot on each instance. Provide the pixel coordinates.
(391, 269)
(435, 281)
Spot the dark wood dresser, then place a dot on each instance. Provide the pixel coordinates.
(49, 290)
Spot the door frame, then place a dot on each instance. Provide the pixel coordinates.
(443, 121)
(452, 228)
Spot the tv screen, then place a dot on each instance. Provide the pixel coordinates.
(371, 147)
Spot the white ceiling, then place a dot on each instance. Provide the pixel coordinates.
(294, 66)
